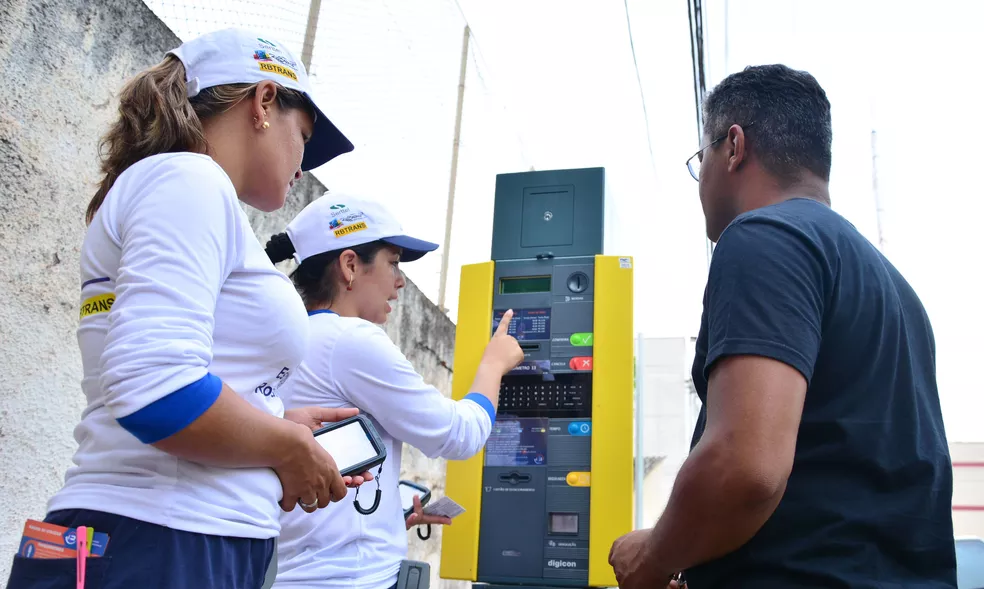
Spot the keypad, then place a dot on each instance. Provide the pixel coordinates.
(531, 396)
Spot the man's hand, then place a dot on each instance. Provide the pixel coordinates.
(634, 565)
(314, 417)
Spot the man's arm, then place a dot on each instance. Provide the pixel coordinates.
(733, 480)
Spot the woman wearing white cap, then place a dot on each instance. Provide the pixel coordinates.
(187, 330)
(349, 250)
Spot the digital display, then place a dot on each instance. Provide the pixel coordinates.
(524, 284)
(526, 324)
(563, 523)
(517, 442)
(349, 445)
(406, 495)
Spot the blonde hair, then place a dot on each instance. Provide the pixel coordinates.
(156, 116)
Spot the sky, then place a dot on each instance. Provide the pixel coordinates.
(551, 84)
(906, 73)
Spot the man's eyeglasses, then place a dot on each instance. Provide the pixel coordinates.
(693, 164)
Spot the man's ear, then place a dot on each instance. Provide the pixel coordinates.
(737, 148)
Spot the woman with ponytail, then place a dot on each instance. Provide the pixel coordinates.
(187, 331)
(349, 250)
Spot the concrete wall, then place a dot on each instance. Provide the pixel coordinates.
(61, 64)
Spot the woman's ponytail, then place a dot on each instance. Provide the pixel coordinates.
(280, 248)
(154, 117)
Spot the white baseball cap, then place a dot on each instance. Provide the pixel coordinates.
(335, 222)
(239, 56)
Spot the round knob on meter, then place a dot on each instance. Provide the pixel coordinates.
(577, 282)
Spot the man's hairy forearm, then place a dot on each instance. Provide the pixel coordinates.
(717, 504)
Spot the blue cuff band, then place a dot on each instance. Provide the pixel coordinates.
(171, 414)
(484, 403)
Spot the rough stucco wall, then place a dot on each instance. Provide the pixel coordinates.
(62, 64)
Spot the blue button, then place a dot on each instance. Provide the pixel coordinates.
(579, 428)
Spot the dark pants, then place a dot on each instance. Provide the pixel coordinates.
(147, 556)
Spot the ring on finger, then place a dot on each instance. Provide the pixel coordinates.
(308, 505)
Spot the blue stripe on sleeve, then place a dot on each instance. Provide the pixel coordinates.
(484, 403)
(171, 414)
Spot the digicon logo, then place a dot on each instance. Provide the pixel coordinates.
(562, 564)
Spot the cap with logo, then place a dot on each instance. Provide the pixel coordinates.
(335, 222)
(238, 56)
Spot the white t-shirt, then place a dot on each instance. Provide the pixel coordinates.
(178, 296)
(353, 363)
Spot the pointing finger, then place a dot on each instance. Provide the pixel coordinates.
(504, 323)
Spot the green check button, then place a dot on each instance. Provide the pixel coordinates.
(582, 339)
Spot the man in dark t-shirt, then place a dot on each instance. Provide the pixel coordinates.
(819, 458)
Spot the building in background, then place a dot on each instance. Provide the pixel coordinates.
(968, 488)
(669, 413)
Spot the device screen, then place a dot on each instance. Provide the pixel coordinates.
(349, 445)
(406, 496)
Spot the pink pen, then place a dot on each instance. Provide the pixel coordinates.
(81, 552)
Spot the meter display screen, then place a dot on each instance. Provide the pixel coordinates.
(524, 284)
(526, 324)
(517, 442)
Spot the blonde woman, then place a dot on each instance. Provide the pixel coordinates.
(187, 331)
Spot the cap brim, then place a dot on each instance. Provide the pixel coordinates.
(413, 249)
(326, 143)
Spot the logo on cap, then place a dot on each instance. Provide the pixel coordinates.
(348, 229)
(270, 60)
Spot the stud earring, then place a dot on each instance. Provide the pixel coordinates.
(266, 124)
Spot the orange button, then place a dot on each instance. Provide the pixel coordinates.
(581, 363)
(579, 479)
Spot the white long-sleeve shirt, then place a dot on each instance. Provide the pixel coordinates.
(353, 363)
(178, 296)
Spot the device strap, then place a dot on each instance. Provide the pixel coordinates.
(421, 534)
(375, 503)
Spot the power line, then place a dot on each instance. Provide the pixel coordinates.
(642, 94)
(695, 16)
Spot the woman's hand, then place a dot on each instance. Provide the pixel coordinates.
(418, 518)
(502, 353)
(314, 417)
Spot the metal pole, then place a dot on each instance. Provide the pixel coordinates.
(879, 210)
(312, 29)
(640, 421)
(454, 170)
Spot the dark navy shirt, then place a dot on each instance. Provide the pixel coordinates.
(868, 500)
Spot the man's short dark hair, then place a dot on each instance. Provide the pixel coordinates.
(791, 116)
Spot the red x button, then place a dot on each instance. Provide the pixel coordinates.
(581, 363)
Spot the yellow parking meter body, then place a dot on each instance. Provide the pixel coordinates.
(553, 487)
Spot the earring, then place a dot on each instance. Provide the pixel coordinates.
(266, 124)
(349, 287)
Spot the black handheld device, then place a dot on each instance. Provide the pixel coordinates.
(407, 490)
(353, 443)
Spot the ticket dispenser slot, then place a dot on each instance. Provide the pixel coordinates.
(552, 488)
